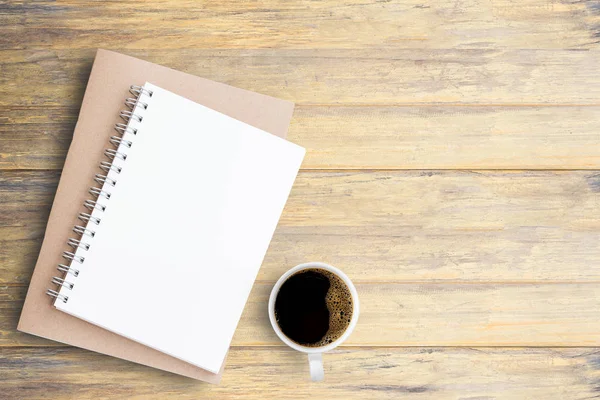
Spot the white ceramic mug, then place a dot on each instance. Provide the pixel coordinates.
(315, 354)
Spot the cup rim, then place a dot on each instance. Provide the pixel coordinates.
(355, 307)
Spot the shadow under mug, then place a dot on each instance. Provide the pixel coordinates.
(315, 354)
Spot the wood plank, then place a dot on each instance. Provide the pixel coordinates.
(303, 24)
(35, 138)
(500, 226)
(475, 247)
(386, 137)
(280, 373)
(418, 314)
(448, 137)
(357, 77)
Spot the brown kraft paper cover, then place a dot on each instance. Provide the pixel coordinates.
(108, 86)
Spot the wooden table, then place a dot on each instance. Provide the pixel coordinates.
(453, 150)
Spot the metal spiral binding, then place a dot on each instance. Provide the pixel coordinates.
(99, 193)
(77, 243)
(88, 218)
(133, 103)
(117, 141)
(107, 167)
(112, 154)
(123, 129)
(62, 282)
(127, 115)
(54, 293)
(104, 180)
(83, 231)
(68, 270)
(93, 205)
(69, 255)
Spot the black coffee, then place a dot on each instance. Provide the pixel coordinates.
(313, 307)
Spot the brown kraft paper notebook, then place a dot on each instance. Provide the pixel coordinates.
(108, 86)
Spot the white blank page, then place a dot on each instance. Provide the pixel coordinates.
(184, 231)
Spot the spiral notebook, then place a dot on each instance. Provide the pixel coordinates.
(108, 86)
(181, 219)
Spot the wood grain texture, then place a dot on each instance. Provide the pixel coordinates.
(448, 137)
(301, 24)
(446, 258)
(427, 373)
(387, 137)
(389, 226)
(332, 76)
(419, 314)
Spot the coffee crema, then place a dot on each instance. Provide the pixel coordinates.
(313, 307)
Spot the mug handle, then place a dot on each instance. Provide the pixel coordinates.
(315, 363)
